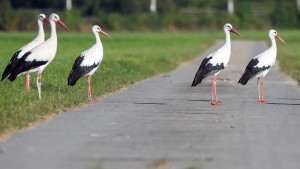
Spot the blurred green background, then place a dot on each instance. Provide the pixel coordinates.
(170, 15)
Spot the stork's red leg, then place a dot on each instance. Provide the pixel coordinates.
(39, 84)
(215, 91)
(27, 82)
(258, 89)
(89, 88)
(212, 92)
(263, 90)
(216, 99)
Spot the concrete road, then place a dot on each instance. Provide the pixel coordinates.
(164, 120)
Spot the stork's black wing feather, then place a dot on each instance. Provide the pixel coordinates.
(252, 70)
(199, 74)
(205, 69)
(78, 71)
(11, 65)
(24, 66)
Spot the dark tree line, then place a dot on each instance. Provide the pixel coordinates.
(170, 15)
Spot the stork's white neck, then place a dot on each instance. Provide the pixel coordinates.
(53, 29)
(227, 36)
(273, 42)
(41, 34)
(52, 41)
(98, 41)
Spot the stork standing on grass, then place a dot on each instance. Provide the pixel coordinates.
(88, 61)
(37, 59)
(260, 65)
(18, 55)
(215, 62)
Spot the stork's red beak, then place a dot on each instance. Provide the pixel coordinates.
(46, 20)
(63, 25)
(104, 33)
(278, 37)
(235, 31)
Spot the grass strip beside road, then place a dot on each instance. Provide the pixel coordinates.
(128, 58)
(289, 54)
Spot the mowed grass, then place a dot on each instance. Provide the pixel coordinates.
(128, 58)
(289, 54)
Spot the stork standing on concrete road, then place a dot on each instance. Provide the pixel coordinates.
(260, 65)
(18, 55)
(215, 62)
(88, 61)
(37, 59)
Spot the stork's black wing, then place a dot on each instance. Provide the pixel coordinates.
(11, 65)
(24, 66)
(78, 71)
(252, 70)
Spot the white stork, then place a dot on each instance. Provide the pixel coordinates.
(261, 64)
(37, 59)
(88, 61)
(215, 62)
(18, 55)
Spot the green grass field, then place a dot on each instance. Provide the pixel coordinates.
(128, 58)
(289, 55)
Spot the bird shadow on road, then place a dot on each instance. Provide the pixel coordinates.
(198, 100)
(150, 103)
(286, 104)
(286, 98)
